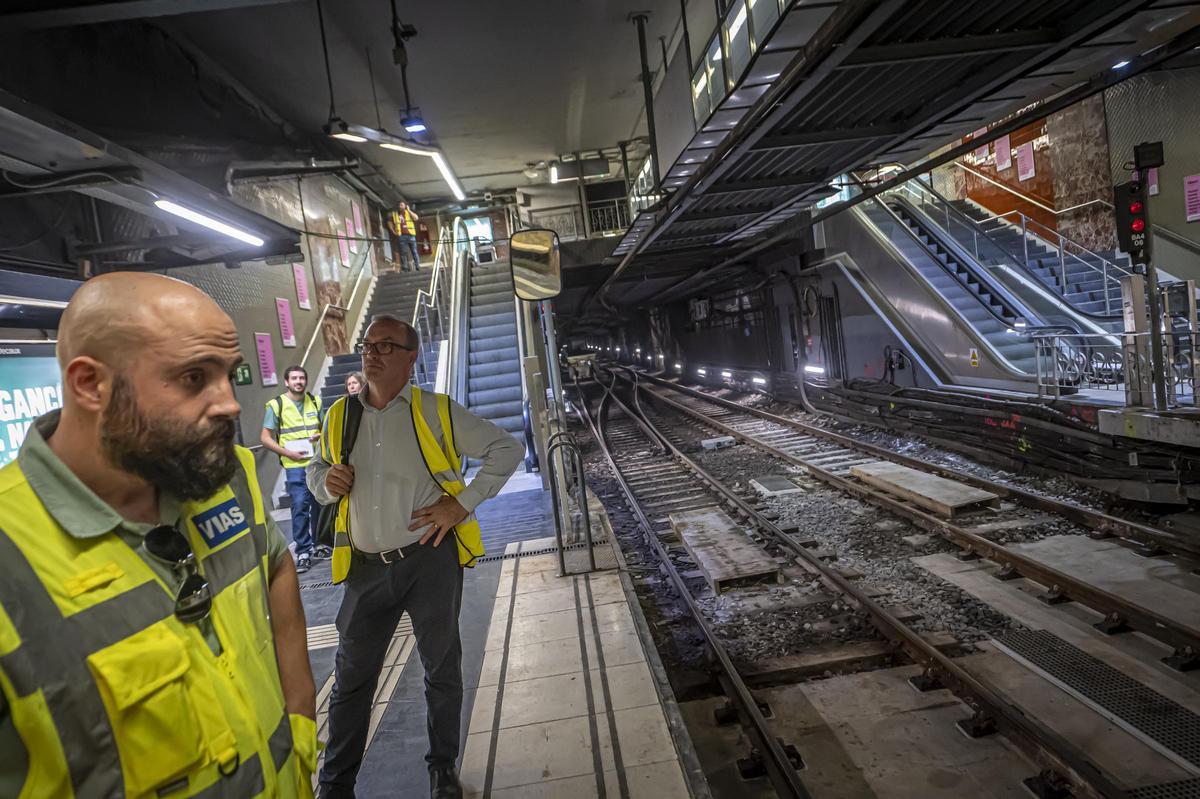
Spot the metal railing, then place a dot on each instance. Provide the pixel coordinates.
(984, 247)
(431, 312)
(1095, 362)
(608, 216)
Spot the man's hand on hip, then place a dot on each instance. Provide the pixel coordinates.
(339, 479)
(440, 517)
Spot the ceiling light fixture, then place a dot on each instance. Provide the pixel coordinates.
(411, 121)
(208, 222)
(1120, 64)
(449, 177)
(554, 172)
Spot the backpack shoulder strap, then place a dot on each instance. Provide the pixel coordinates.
(354, 411)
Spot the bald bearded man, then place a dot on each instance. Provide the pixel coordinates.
(152, 640)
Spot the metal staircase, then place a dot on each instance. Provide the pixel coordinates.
(1079, 277)
(493, 385)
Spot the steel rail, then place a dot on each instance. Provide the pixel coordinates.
(1059, 758)
(1104, 524)
(1119, 613)
(779, 766)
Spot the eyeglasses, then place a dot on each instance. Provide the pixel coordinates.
(193, 603)
(380, 347)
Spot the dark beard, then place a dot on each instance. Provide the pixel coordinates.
(178, 459)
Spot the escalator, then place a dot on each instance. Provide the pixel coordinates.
(990, 313)
(493, 381)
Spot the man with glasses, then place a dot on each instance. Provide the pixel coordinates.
(404, 531)
(152, 640)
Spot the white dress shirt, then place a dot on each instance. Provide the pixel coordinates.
(390, 476)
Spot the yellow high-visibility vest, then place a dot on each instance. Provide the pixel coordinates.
(443, 463)
(409, 219)
(294, 425)
(114, 696)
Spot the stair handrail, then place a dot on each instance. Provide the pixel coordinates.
(429, 309)
(459, 311)
(977, 226)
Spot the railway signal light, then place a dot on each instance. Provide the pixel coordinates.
(1133, 234)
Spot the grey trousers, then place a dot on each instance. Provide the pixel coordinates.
(428, 585)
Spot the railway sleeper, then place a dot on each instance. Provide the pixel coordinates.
(754, 766)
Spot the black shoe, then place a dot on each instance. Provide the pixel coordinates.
(323, 553)
(303, 563)
(444, 784)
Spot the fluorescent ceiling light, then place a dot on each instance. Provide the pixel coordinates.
(701, 372)
(678, 366)
(814, 370)
(387, 145)
(448, 176)
(726, 375)
(554, 173)
(762, 381)
(208, 222)
(348, 137)
(1120, 64)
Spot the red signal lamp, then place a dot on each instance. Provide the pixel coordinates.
(1138, 225)
(1135, 207)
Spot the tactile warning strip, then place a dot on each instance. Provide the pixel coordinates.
(1170, 724)
(1184, 789)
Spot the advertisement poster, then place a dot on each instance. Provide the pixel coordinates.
(300, 272)
(287, 331)
(1191, 197)
(345, 251)
(1025, 161)
(359, 226)
(266, 359)
(29, 387)
(350, 236)
(1003, 153)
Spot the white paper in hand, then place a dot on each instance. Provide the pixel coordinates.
(302, 447)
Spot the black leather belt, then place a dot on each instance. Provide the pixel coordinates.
(390, 556)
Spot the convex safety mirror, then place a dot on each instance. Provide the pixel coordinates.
(536, 264)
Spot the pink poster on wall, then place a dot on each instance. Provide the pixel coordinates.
(1025, 161)
(1191, 197)
(345, 252)
(359, 227)
(300, 272)
(287, 331)
(1003, 153)
(266, 359)
(352, 242)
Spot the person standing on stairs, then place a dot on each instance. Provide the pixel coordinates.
(291, 429)
(403, 534)
(404, 222)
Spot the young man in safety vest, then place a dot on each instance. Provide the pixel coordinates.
(403, 533)
(404, 223)
(152, 640)
(291, 429)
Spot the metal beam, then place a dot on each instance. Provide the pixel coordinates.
(64, 14)
(777, 182)
(725, 213)
(64, 181)
(955, 47)
(835, 136)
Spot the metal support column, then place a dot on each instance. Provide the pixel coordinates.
(1157, 365)
(648, 90)
(583, 206)
(624, 147)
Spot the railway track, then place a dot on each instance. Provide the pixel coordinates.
(658, 477)
(830, 457)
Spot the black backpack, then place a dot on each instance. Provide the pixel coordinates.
(328, 514)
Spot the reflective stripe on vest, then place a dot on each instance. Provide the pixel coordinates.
(101, 668)
(293, 425)
(443, 466)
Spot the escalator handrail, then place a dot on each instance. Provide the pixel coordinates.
(1017, 261)
(1013, 304)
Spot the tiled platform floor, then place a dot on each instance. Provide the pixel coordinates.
(566, 704)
